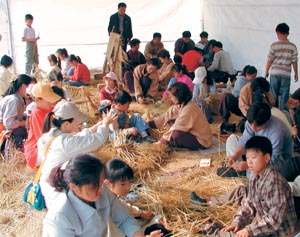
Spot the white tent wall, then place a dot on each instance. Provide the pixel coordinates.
(4, 43)
(247, 28)
(81, 26)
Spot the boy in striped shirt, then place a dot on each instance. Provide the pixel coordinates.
(282, 55)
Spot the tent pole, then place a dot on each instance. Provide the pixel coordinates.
(202, 9)
(10, 32)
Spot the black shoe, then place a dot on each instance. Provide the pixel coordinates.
(231, 127)
(223, 129)
(197, 200)
(227, 127)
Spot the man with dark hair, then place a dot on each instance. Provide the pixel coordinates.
(282, 55)
(146, 81)
(260, 122)
(153, 47)
(135, 58)
(121, 23)
(205, 45)
(184, 44)
(221, 67)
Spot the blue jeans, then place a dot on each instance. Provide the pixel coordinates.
(138, 122)
(280, 86)
(76, 83)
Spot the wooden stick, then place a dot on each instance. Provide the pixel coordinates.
(219, 140)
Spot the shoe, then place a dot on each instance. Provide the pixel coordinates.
(197, 200)
(148, 139)
(227, 127)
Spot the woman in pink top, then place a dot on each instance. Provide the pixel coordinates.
(81, 76)
(180, 75)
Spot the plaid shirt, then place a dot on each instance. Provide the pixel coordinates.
(271, 203)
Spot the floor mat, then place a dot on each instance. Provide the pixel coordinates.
(215, 147)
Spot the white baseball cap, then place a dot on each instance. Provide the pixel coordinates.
(67, 110)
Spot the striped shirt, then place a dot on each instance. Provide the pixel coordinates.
(271, 203)
(282, 54)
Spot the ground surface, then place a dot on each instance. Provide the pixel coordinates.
(170, 175)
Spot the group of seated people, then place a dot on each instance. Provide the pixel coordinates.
(74, 183)
(206, 54)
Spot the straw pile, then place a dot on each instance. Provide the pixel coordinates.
(16, 218)
(170, 177)
(141, 157)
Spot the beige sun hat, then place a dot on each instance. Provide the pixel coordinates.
(45, 92)
(67, 110)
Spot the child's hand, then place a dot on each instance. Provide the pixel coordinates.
(156, 233)
(240, 166)
(232, 227)
(294, 131)
(108, 118)
(147, 215)
(242, 233)
(133, 131)
(141, 100)
(229, 160)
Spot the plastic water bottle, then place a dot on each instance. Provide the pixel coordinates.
(228, 85)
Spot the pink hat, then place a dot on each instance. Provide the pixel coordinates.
(112, 76)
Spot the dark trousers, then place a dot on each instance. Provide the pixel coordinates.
(185, 140)
(228, 104)
(145, 84)
(129, 81)
(218, 76)
(19, 134)
(182, 139)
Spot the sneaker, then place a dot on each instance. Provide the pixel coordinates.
(197, 200)
(148, 139)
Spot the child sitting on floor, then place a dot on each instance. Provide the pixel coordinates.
(119, 176)
(108, 92)
(130, 126)
(269, 199)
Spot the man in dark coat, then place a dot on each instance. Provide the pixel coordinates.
(121, 23)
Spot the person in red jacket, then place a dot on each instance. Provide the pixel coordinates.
(81, 76)
(45, 98)
(108, 92)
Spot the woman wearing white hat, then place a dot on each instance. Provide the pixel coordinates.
(65, 141)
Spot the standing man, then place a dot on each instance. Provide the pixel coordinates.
(121, 23)
(31, 51)
(282, 56)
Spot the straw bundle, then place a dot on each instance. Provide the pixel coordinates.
(17, 218)
(140, 157)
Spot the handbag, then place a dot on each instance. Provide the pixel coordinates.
(33, 193)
